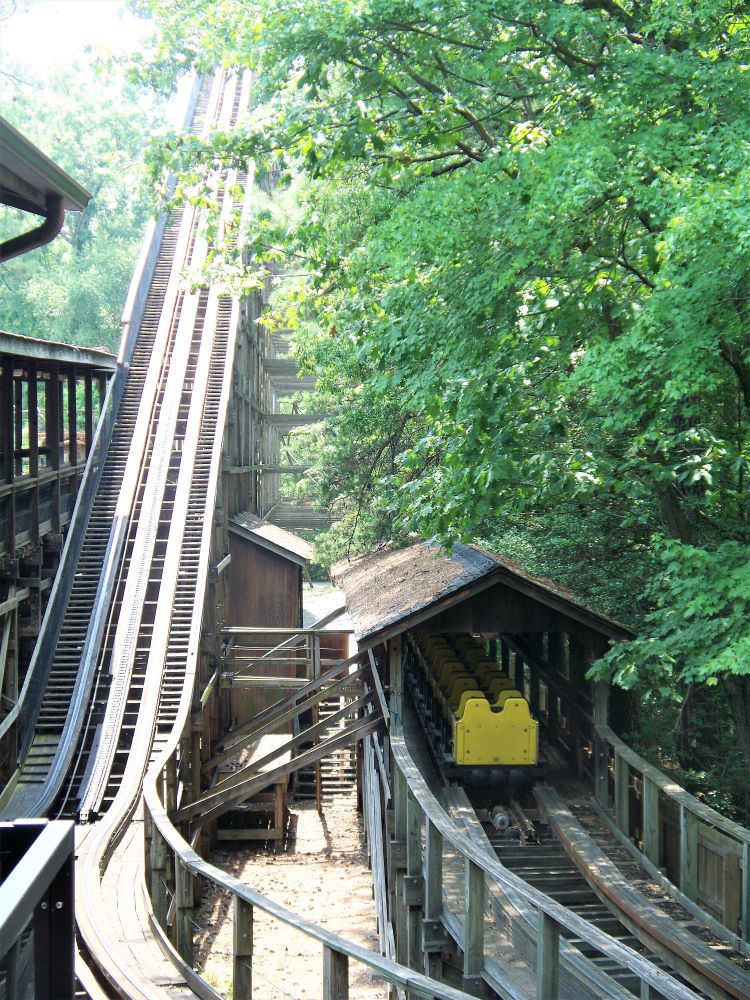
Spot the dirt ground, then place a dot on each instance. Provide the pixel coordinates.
(322, 875)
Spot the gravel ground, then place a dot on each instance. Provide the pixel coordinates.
(321, 875)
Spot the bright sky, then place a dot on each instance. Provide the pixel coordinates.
(59, 31)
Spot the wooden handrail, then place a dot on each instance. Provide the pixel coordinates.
(664, 984)
(394, 973)
(674, 791)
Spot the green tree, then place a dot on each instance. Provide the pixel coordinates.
(74, 289)
(526, 226)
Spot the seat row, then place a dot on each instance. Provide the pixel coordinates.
(481, 718)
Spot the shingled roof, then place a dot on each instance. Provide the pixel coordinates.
(387, 590)
(271, 537)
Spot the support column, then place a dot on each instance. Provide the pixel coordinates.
(474, 892)
(433, 934)
(243, 949)
(547, 959)
(601, 755)
(335, 975)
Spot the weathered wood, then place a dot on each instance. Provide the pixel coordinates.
(335, 975)
(184, 914)
(473, 919)
(548, 959)
(705, 813)
(242, 955)
(500, 876)
(396, 676)
(745, 922)
(379, 687)
(622, 793)
(651, 821)
(276, 715)
(211, 806)
(601, 718)
(434, 869)
(688, 852)
(414, 888)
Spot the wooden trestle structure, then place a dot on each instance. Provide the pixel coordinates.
(51, 395)
(131, 723)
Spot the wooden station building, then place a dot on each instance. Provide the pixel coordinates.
(544, 637)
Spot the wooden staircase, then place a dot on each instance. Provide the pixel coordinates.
(338, 770)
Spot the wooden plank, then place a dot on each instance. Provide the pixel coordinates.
(335, 975)
(242, 950)
(184, 904)
(500, 876)
(274, 711)
(211, 806)
(254, 730)
(690, 956)
(434, 869)
(688, 852)
(473, 919)
(622, 794)
(548, 958)
(379, 687)
(651, 821)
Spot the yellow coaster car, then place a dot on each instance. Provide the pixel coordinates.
(503, 733)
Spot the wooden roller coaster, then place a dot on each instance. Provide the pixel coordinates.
(477, 891)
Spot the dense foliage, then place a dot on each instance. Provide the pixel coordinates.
(73, 290)
(527, 267)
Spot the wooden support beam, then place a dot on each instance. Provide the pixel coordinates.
(254, 731)
(651, 820)
(335, 975)
(622, 794)
(242, 955)
(474, 892)
(548, 958)
(184, 913)
(688, 852)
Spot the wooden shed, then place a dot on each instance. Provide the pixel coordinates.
(265, 574)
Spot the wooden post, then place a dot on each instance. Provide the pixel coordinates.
(651, 820)
(601, 718)
(72, 428)
(335, 975)
(184, 911)
(395, 678)
(688, 853)
(547, 958)
(242, 949)
(745, 921)
(622, 794)
(413, 886)
(396, 869)
(648, 992)
(159, 897)
(171, 790)
(473, 921)
(433, 906)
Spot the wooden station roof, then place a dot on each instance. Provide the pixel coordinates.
(16, 346)
(28, 176)
(272, 537)
(391, 591)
